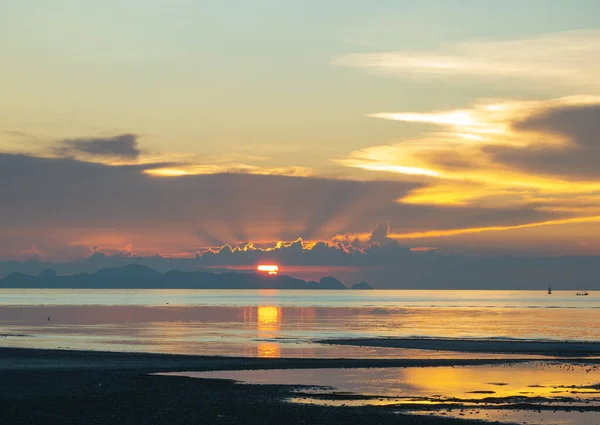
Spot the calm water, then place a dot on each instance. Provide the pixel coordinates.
(275, 323)
(434, 384)
(494, 393)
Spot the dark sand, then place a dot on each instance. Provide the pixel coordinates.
(549, 348)
(40, 359)
(75, 387)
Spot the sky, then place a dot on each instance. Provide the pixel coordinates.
(176, 127)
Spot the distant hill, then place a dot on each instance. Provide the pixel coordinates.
(134, 276)
(362, 285)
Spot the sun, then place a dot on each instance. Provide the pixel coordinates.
(269, 268)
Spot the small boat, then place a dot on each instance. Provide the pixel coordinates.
(582, 293)
(549, 290)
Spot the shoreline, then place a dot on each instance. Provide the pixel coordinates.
(101, 397)
(560, 349)
(58, 387)
(37, 359)
(97, 387)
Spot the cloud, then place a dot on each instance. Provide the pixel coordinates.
(124, 150)
(70, 202)
(568, 143)
(388, 266)
(468, 230)
(123, 146)
(568, 58)
(183, 169)
(64, 206)
(513, 153)
(498, 161)
(380, 234)
(20, 134)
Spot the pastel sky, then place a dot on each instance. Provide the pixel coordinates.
(175, 126)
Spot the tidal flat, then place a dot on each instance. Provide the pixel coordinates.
(68, 387)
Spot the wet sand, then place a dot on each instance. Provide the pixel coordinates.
(549, 348)
(91, 397)
(63, 360)
(74, 387)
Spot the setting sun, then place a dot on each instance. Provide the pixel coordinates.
(271, 269)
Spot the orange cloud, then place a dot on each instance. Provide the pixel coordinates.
(461, 166)
(470, 230)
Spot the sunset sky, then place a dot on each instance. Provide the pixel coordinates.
(170, 127)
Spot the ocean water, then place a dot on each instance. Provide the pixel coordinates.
(556, 392)
(272, 323)
(423, 385)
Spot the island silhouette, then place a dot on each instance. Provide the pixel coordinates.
(135, 276)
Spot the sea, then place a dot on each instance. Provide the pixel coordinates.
(286, 323)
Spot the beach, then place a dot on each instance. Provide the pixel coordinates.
(63, 387)
(228, 357)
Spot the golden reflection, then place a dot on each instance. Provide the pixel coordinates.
(268, 350)
(268, 324)
(481, 382)
(268, 292)
(268, 318)
(168, 337)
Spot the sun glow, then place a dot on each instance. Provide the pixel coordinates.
(268, 325)
(455, 118)
(470, 230)
(269, 268)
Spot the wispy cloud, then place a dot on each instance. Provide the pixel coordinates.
(177, 170)
(124, 150)
(499, 153)
(569, 58)
(470, 230)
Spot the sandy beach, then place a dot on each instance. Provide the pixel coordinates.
(68, 387)
(64, 387)
(25, 359)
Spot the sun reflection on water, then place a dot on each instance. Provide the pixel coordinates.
(268, 325)
(269, 319)
(268, 350)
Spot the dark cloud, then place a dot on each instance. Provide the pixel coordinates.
(380, 233)
(579, 125)
(62, 206)
(121, 146)
(53, 201)
(449, 159)
(390, 266)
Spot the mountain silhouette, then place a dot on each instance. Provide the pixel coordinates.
(362, 285)
(134, 276)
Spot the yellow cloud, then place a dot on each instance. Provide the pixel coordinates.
(458, 169)
(177, 164)
(191, 169)
(470, 230)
